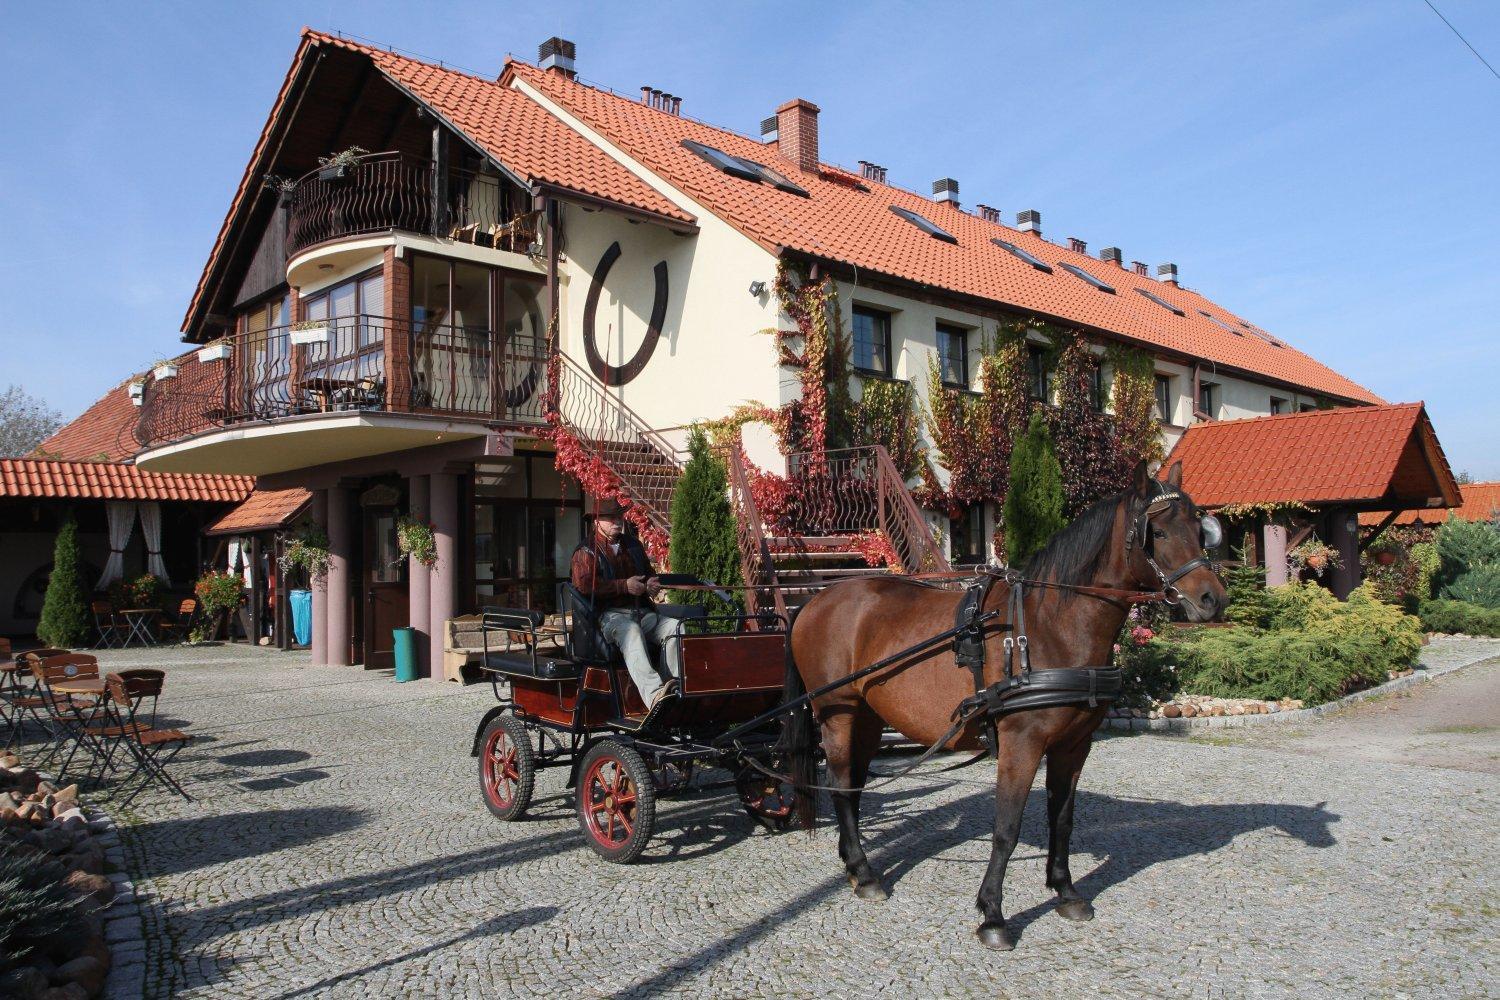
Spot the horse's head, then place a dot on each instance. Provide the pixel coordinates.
(1168, 539)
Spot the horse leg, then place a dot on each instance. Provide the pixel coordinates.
(1014, 773)
(847, 745)
(1063, 769)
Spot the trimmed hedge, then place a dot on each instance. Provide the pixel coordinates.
(1316, 648)
(1459, 616)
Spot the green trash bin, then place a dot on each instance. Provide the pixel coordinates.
(406, 653)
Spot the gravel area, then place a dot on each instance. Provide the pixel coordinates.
(337, 846)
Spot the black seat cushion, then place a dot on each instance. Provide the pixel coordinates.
(510, 618)
(545, 668)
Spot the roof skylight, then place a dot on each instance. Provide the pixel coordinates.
(926, 225)
(1028, 258)
(1079, 272)
(1263, 335)
(749, 170)
(1216, 321)
(1169, 307)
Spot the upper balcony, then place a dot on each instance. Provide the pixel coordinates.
(381, 192)
(347, 388)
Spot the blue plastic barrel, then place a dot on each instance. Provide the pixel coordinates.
(301, 603)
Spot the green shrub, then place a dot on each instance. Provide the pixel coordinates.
(1147, 676)
(1317, 649)
(1249, 601)
(145, 591)
(65, 609)
(1469, 562)
(1034, 503)
(705, 540)
(34, 905)
(1459, 616)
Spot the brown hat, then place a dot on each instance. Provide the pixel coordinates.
(610, 508)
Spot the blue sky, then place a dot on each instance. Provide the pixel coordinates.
(1327, 171)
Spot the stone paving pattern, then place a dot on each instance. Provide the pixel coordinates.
(338, 847)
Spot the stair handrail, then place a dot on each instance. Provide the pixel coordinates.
(635, 421)
(755, 550)
(913, 524)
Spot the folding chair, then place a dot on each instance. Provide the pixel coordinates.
(151, 748)
(106, 624)
(70, 713)
(20, 689)
(180, 626)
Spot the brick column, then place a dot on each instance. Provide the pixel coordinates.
(443, 498)
(340, 546)
(419, 577)
(397, 275)
(320, 586)
(1274, 536)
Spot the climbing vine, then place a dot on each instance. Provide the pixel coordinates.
(1086, 445)
(886, 414)
(1133, 398)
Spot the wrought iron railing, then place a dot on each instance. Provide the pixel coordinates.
(757, 568)
(384, 191)
(647, 465)
(352, 363)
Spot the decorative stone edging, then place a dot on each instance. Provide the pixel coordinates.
(1421, 675)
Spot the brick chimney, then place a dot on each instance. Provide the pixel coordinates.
(988, 213)
(1076, 245)
(797, 133)
(556, 55)
(1140, 269)
(872, 171)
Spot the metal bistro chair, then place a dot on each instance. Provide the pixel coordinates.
(178, 627)
(152, 749)
(22, 694)
(107, 624)
(109, 729)
(70, 713)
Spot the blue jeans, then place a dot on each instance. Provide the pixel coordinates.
(631, 631)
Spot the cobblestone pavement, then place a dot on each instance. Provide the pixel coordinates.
(337, 847)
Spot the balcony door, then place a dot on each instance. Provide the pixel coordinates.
(527, 520)
(350, 364)
(264, 364)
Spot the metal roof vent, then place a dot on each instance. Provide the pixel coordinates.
(1166, 272)
(769, 131)
(872, 171)
(1111, 255)
(1076, 245)
(988, 213)
(945, 189)
(1029, 221)
(557, 54)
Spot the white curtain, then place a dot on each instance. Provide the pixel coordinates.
(151, 531)
(121, 515)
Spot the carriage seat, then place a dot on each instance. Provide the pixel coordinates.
(542, 668)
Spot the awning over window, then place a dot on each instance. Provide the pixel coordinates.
(263, 510)
(1371, 458)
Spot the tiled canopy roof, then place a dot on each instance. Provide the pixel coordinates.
(1375, 457)
(842, 223)
(30, 477)
(1481, 502)
(261, 511)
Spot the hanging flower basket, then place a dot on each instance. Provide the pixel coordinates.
(306, 549)
(311, 332)
(415, 539)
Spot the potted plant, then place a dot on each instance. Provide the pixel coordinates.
(283, 186)
(219, 594)
(214, 350)
(164, 368)
(1314, 556)
(306, 549)
(336, 167)
(311, 331)
(415, 539)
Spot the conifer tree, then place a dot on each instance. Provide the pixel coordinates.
(704, 538)
(65, 612)
(1034, 504)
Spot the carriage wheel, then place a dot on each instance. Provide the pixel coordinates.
(507, 767)
(769, 801)
(616, 801)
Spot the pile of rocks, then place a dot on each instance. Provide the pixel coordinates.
(40, 819)
(1188, 706)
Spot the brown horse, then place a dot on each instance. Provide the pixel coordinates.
(1134, 542)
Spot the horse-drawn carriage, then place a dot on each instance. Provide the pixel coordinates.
(567, 700)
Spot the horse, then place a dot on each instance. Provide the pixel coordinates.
(1075, 595)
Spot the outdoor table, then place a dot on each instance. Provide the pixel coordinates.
(87, 686)
(138, 621)
(325, 389)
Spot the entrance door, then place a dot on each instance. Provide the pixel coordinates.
(386, 595)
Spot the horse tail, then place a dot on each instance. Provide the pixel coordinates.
(798, 741)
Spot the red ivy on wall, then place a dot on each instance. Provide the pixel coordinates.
(875, 549)
(1087, 448)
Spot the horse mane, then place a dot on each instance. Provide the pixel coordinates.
(1071, 555)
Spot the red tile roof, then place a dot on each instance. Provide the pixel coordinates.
(106, 430)
(30, 477)
(261, 511)
(1362, 455)
(1481, 502)
(839, 222)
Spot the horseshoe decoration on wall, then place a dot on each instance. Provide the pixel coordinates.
(621, 374)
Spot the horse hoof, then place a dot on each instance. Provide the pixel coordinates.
(1075, 909)
(996, 936)
(869, 890)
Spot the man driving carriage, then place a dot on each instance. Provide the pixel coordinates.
(612, 570)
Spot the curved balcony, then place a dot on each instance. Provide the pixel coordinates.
(391, 191)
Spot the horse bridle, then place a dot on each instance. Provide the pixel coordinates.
(1140, 534)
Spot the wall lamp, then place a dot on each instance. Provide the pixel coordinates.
(757, 288)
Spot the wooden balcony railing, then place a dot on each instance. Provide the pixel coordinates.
(385, 191)
(352, 363)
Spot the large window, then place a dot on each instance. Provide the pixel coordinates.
(1278, 405)
(265, 356)
(966, 537)
(1208, 400)
(1036, 370)
(1164, 398)
(355, 348)
(527, 520)
(872, 341)
(953, 355)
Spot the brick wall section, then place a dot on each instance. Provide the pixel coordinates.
(797, 133)
(397, 274)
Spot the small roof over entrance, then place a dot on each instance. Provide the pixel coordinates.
(1368, 458)
(263, 510)
(32, 477)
